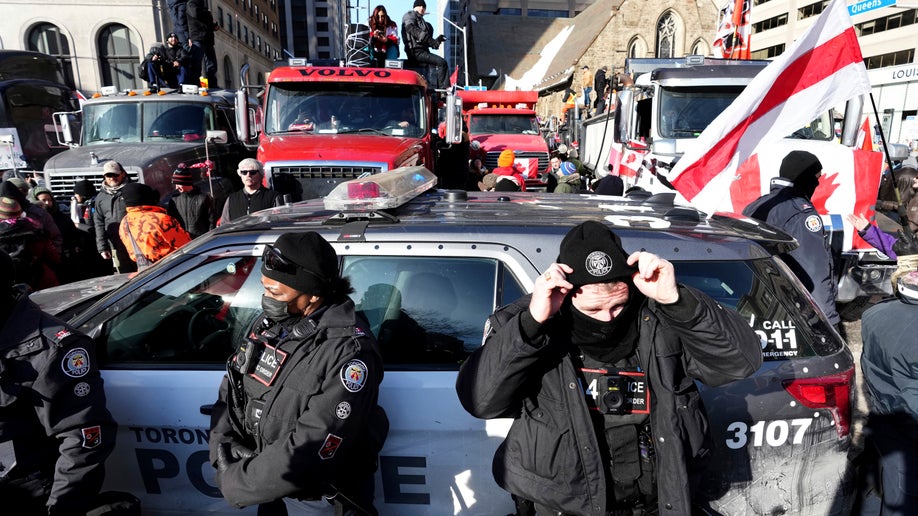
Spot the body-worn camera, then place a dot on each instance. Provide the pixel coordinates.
(625, 392)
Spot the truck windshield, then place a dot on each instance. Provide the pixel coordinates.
(686, 112)
(146, 121)
(503, 124)
(358, 108)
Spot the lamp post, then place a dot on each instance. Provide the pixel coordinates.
(465, 50)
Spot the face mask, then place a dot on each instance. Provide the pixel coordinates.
(275, 310)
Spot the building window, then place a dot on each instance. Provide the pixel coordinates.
(770, 23)
(812, 10)
(637, 48)
(227, 73)
(323, 41)
(118, 57)
(220, 16)
(891, 59)
(47, 38)
(700, 48)
(666, 36)
(768, 53)
(322, 26)
(229, 23)
(891, 22)
(321, 12)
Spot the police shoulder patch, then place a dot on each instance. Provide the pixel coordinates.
(354, 375)
(92, 436)
(330, 446)
(75, 363)
(813, 223)
(81, 389)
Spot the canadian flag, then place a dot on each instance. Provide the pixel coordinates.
(823, 68)
(864, 140)
(632, 159)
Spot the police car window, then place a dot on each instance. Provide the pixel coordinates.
(773, 303)
(427, 310)
(195, 317)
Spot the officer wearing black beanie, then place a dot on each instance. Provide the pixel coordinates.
(788, 207)
(621, 328)
(297, 414)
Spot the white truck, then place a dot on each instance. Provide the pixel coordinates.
(671, 101)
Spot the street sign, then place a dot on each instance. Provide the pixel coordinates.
(869, 5)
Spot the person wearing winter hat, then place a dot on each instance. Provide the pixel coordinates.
(13, 188)
(23, 239)
(307, 313)
(506, 167)
(568, 179)
(616, 322)
(147, 231)
(417, 36)
(108, 211)
(193, 208)
(787, 206)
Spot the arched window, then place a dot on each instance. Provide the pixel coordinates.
(227, 73)
(700, 48)
(47, 38)
(637, 47)
(666, 36)
(118, 57)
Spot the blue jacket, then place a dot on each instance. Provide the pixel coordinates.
(786, 208)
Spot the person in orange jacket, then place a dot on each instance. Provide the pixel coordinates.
(146, 228)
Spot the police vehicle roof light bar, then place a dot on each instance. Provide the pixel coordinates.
(381, 191)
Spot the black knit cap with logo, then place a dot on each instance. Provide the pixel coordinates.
(595, 253)
(316, 260)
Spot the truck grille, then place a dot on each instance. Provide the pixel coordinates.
(326, 171)
(61, 183)
(491, 158)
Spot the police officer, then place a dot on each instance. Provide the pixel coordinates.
(635, 342)
(55, 430)
(788, 207)
(297, 415)
(889, 332)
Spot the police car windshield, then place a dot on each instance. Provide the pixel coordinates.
(361, 109)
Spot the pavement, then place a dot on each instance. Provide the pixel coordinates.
(859, 401)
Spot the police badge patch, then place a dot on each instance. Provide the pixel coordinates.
(354, 375)
(92, 436)
(813, 223)
(75, 363)
(343, 410)
(598, 263)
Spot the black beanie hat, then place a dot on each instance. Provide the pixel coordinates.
(800, 164)
(419, 3)
(138, 194)
(316, 261)
(85, 188)
(595, 253)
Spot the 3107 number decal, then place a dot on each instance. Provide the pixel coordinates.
(772, 433)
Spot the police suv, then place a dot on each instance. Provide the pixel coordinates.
(444, 260)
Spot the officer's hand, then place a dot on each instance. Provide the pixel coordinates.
(441, 38)
(223, 459)
(549, 292)
(240, 452)
(655, 277)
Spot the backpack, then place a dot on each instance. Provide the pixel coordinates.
(142, 71)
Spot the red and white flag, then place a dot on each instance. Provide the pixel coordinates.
(732, 40)
(823, 68)
(864, 140)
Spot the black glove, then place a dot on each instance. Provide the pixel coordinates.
(441, 38)
(228, 454)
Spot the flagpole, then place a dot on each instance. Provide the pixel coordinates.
(906, 231)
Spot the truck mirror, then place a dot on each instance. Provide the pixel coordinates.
(62, 128)
(898, 151)
(453, 119)
(217, 136)
(243, 117)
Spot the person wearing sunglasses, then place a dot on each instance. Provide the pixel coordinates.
(297, 415)
(254, 196)
(107, 217)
